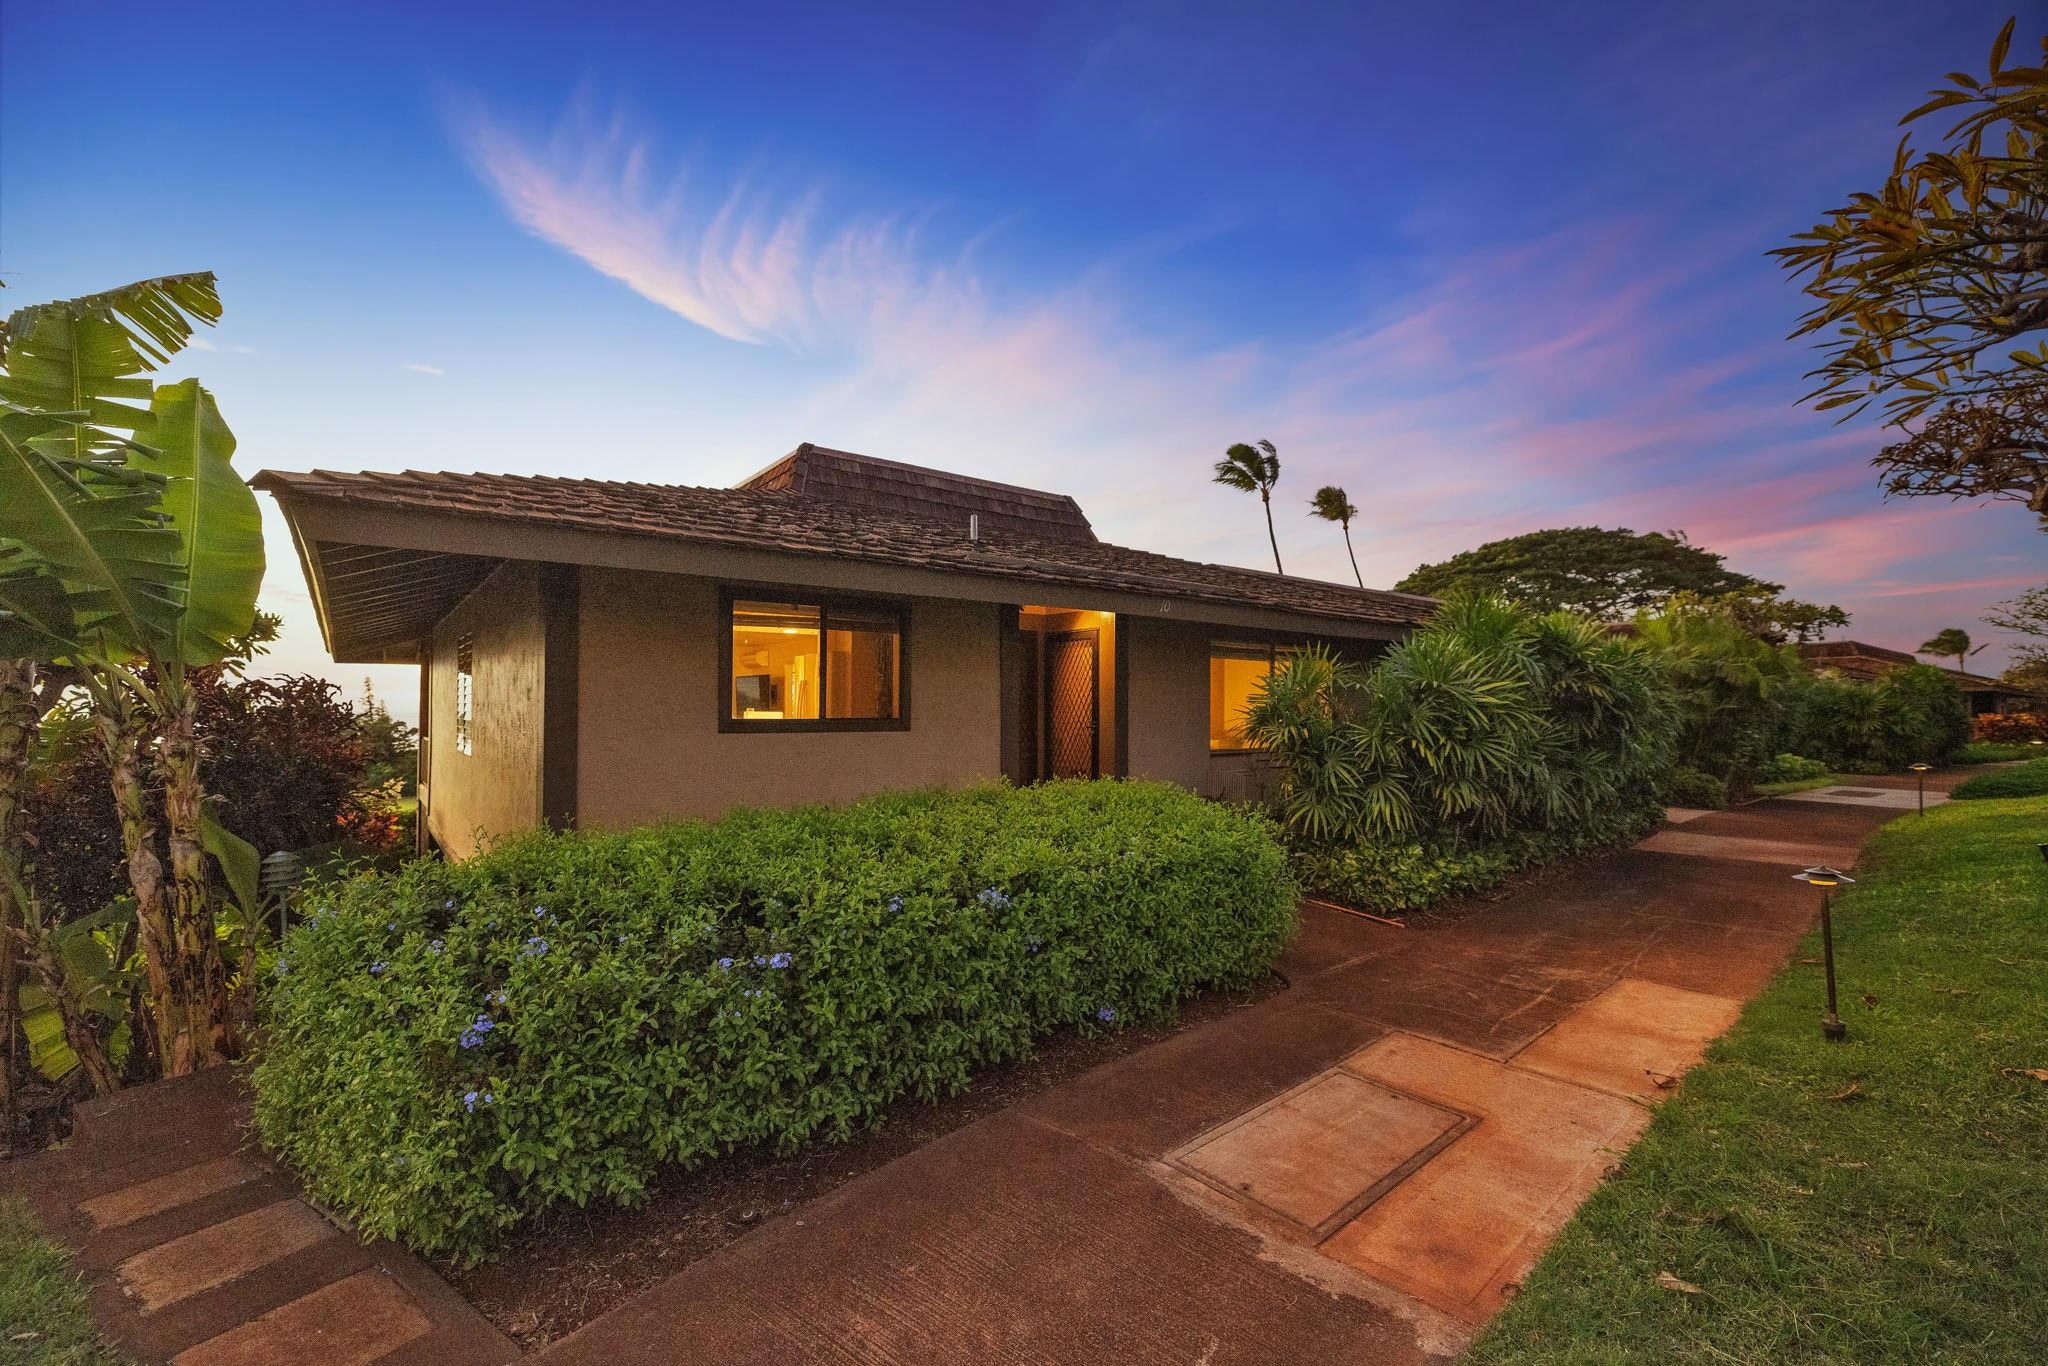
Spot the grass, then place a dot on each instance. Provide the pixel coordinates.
(43, 1315)
(1878, 1200)
(1996, 751)
(2025, 780)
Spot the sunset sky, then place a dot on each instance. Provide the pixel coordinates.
(1490, 267)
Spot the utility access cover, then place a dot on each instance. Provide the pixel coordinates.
(1322, 1152)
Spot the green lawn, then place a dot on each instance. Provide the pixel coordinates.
(1883, 1199)
(2021, 780)
(43, 1318)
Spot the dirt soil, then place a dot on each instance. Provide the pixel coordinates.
(565, 1268)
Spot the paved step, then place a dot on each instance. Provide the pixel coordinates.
(199, 1250)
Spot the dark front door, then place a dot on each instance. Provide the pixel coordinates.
(1072, 705)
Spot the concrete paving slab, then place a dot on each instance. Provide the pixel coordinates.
(1468, 1225)
(1701, 844)
(1002, 1244)
(1882, 798)
(348, 1323)
(161, 1193)
(1635, 1039)
(1318, 1154)
(216, 1255)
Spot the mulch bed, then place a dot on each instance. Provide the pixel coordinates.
(565, 1268)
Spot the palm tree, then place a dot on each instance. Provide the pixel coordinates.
(1953, 641)
(1249, 468)
(1331, 504)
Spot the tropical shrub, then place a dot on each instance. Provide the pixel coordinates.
(2025, 780)
(2017, 727)
(1732, 688)
(1690, 787)
(285, 754)
(452, 1047)
(1791, 768)
(1437, 770)
(1996, 752)
(1911, 714)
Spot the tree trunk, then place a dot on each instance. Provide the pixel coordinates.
(1266, 497)
(1354, 556)
(203, 980)
(18, 715)
(78, 1030)
(120, 727)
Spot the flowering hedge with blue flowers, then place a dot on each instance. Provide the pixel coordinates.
(453, 1047)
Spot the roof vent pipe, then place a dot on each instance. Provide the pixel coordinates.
(974, 527)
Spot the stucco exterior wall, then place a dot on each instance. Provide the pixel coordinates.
(1168, 685)
(495, 788)
(648, 742)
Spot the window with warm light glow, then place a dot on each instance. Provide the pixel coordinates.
(1236, 673)
(815, 665)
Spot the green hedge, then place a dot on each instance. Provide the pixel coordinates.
(2024, 780)
(455, 1046)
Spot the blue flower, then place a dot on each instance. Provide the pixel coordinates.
(751, 992)
(496, 998)
(474, 1035)
(472, 1099)
(535, 947)
(725, 965)
(434, 946)
(1033, 945)
(622, 939)
(449, 904)
(895, 905)
(377, 969)
(779, 960)
(760, 961)
(392, 925)
(994, 900)
(1107, 1014)
(490, 924)
(282, 967)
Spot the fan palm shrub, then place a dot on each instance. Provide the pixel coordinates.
(1491, 738)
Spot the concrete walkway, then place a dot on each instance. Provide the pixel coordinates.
(1358, 1169)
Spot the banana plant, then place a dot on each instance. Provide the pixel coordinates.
(131, 551)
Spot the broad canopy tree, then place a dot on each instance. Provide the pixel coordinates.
(1612, 574)
(1931, 293)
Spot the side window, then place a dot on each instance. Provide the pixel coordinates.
(465, 695)
(1236, 673)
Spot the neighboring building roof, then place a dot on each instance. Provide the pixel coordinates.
(1855, 659)
(374, 597)
(891, 486)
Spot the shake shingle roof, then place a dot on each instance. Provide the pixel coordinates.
(779, 520)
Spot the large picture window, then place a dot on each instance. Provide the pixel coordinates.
(1236, 673)
(813, 666)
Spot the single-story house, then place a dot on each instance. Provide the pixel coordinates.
(1862, 662)
(602, 654)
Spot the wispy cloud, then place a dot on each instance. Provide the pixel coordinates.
(418, 369)
(1567, 379)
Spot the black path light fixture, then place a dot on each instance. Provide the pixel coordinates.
(1920, 780)
(1827, 879)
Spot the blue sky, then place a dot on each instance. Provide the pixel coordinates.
(1490, 267)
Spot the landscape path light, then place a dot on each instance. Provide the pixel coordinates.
(1920, 778)
(1827, 879)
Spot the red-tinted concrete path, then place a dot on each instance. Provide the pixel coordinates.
(1088, 1224)
(1357, 1169)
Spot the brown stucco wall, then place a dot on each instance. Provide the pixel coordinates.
(648, 740)
(494, 789)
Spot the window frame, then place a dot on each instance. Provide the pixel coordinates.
(1273, 648)
(899, 608)
(465, 694)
